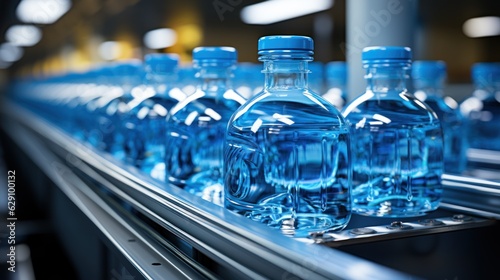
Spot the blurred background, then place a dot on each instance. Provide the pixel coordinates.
(48, 37)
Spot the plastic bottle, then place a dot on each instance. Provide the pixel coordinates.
(287, 160)
(186, 79)
(91, 87)
(196, 125)
(110, 132)
(336, 82)
(482, 109)
(397, 141)
(428, 83)
(146, 120)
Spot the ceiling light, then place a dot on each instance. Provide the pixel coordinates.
(42, 11)
(482, 27)
(109, 50)
(272, 11)
(160, 38)
(23, 35)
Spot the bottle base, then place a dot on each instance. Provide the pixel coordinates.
(212, 192)
(303, 225)
(394, 209)
(293, 224)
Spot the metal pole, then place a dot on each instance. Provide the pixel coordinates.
(375, 23)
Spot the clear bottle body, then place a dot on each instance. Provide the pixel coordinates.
(452, 122)
(112, 109)
(195, 134)
(287, 160)
(397, 148)
(482, 111)
(145, 123)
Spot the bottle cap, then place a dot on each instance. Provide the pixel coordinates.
(161, 62)
(384, 54)
(285, 44)
(215, 53)
(428, 69)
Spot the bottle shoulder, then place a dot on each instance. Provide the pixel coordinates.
(205, 108)
(395, 108)
(288, 109)
(307, 98)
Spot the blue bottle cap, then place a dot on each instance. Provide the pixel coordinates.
(428, 69)
(161, 62)
(486, 69)
(215, 53)
(384, 54)
(285, 44)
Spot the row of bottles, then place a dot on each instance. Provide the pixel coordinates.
(196, 125)
(264, 144)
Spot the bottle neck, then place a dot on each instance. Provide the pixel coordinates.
(386, 79)
(214, 80)
(285, 74)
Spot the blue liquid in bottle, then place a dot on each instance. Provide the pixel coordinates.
(111, 131)
(482, 109)
(145, 124)
(287, 160)
(428, 82)
(397, 141)
(196, 125)
(89, 89)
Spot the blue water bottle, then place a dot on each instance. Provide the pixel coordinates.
(397, 141)
(482, 109)
(287, 159)
(111, 131)
(196, 125)
(146, 120)
(89, 88)
(428, 83)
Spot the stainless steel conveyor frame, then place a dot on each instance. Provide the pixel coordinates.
(153, 230)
